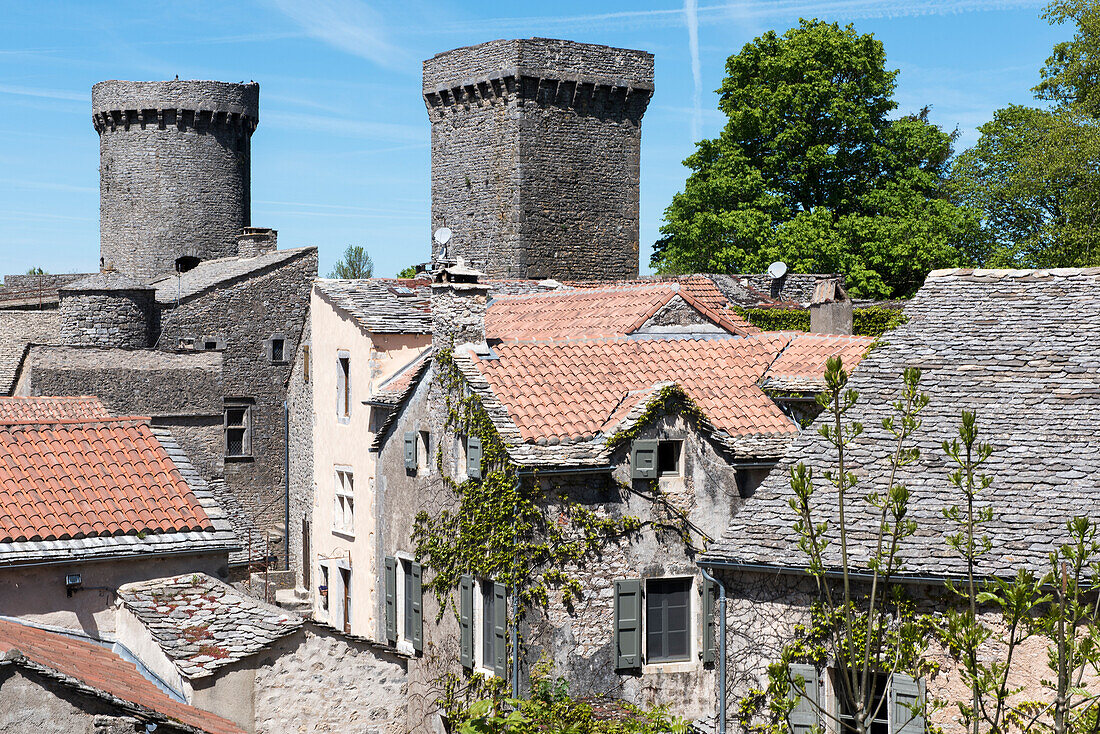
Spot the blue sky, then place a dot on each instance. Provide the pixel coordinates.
(341, 154)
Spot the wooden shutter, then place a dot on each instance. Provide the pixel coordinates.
(804, 717)
(416, 596)
(628, 623)
(906, 705)
(473, 457)
(710, 592)
(410, 450)
(391, 600)
(466, 620)
(500, 631)
(643, 460)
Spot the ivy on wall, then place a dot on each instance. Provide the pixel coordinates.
(869, 321)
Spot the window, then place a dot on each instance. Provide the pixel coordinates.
(278, 346)
(322, 589)
(424, 458)
(343, 509)
(305, 363)
(404, 605)
(483, 625)
(343, 386)
(880, 724)
(898, 702)
(668, 620)
(345, 578)
(668, 458)
(750, 476)
(209, 344)
(237, 424)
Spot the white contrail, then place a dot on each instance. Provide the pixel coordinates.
(691, 19)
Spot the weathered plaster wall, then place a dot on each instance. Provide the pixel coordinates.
(343, 442)
(33, 703)
(37, 593)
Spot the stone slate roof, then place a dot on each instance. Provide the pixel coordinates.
(51, 408)
(18, 330)
(90, 512)
(1022, 350)
(105, 281)
(94, 670)
(382, 305)
(202, 624)
(210, 273)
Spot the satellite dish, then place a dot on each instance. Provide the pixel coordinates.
(777, 270)
(442, 236)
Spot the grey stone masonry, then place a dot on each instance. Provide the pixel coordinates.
(107, 310)
(175, 168)
(254, 241)
(535, 156)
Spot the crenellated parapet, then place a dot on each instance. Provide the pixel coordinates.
(199, 120)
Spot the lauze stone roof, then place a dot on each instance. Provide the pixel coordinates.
(382, 305)
(18, 330)
(202, 624)
(90, 669)
(1019, 348)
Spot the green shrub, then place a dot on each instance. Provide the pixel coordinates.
(869, 321)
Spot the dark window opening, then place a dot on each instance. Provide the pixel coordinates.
(668, 620)
(668, 458)
(409, 602)
(880, 724)
(278, 346)
(185, 263)
(208, 345)
(424, 459)
(345, 577)
(343, 387)
(488, 614)
(749, 478)
(323, 590)
(238, 431)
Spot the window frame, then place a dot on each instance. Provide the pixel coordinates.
(692, 644)
(343, 386)
(343, 501)
(423, 451)
(246, 405)
(664, 444)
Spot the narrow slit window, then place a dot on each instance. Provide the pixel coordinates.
(343, 386)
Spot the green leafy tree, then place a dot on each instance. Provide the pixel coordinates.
(1071, 74)
(409, 272)
(356, 263)
(37, 271)
(810, 169)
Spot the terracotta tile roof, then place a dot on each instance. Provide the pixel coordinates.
(51, 408)
(801, 364)
(77, 479)
(85, 665)
(202, 624)
(608, 310)
(572, 389)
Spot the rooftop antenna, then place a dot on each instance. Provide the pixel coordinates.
(442, 236)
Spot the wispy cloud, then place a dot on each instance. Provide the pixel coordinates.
(691, 19)
(345, 127)
(348, 25)
(17, 183)
(309, 209)
(46, 93)
(745, 9)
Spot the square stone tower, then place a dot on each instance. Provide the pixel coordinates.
(535, 156)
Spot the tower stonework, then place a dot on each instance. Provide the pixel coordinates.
(174, 171)
(535, 156)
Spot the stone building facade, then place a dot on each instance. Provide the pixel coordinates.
(535, 156)
(107, 310)
(174, 171)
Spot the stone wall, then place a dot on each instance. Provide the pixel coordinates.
(300, 404)
(535, 156)
(107, 319)
(458, 314)
(249, 312)
(175, 162)
(319, 681)
(793, 287)
(30, 702)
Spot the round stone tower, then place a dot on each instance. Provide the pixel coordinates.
(174, 172)
(107, 310)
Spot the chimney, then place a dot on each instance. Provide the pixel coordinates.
(255, 241)
(459, 301)
(830, 309)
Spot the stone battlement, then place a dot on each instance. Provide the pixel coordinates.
(242, 100)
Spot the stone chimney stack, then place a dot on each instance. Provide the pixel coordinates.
(459, 302)
(254, 241)
(536, 156)
(831, 309)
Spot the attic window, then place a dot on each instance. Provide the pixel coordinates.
(185, 263)
(668, 458)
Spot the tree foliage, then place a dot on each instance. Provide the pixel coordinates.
(1070, 75)
(810, 169)
(355, 263)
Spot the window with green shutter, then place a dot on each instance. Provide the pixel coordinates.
(412, 605)
(906, 705)
(473, 457)
(668, 620)
(410, 451)
(500, 631)
(391, 600)
(880, 724)
(643, 459)
(804, 686)
(466, 621)
(628, 624)
(710, 595)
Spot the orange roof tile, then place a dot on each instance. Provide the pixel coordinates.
(574, 388)
(101, 669)
(75, 479)
(803, 359)
(51, 408)
(607, 310)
